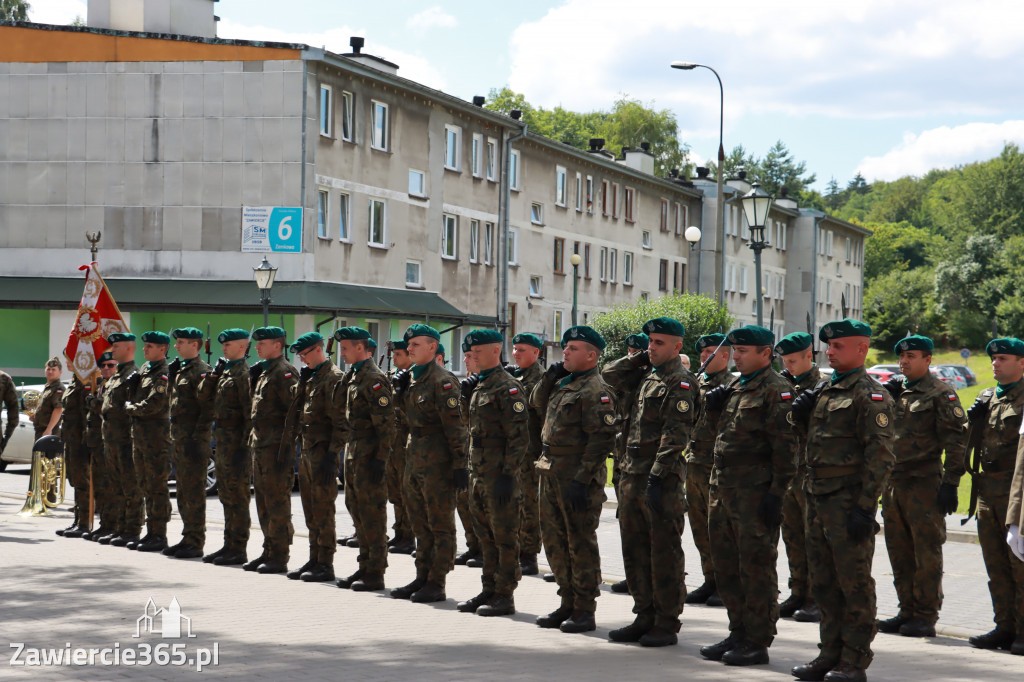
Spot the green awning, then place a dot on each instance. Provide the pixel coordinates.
(219, 296)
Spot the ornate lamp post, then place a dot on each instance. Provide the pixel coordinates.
(756, 205)
(264, 276)
(575, 260)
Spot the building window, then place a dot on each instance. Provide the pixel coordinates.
(449, 237)
(489, 243)
(780, 236)
(828, 293)
(559, 264)
(413, 273)
(326, 110)
(743, 279)
(560, 186)
(664, 215)
(347, 122)
(323, 199)
(535, 286)
(537, 214)
(492, 159)
(511, 320)
(680, 218)
(558, 324)
(513, 170)
(417, 183)
(849, 251)
(615, 200)
(645, 295)
(378, 223)
(828, 243)
(663, 275)
(477, 161)
(452, 147)
(474, 241)
(603, 264)
(613, 256)
(627, 268)
(630, 200)
(645, 239)
(677, 270)
(590, 194)
(513, 246)
(579, 192)
(381, 131)
(586, 261)
(344, 218)
(605, 199)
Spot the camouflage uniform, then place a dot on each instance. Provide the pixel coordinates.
(191, 430)
(529, 527)
(105, 494)
(1015, 512)
(500, 437)
(273, 456)
(76, 453)
(117, 446)
(9, 398)
(578, 434)
(320, 425)
(998, 454)
(151, 436)
(849, 456)
(794, 505)
(364, 401)
(396, 474)
(49, 400)
(660, 422)
(699, 458)
(462, 504)
(232, 419)
(929, 419)
(437, 441)
(755, 455)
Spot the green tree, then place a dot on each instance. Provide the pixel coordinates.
(14, 10)
(858, 185)
(899, 246)
(833, 195)
(778, 171)
(899, 301)
(1010, 309)
(735, 161)
(699, 314)
(899, 201)
(968, 289)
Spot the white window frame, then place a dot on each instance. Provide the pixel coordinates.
(326, 116)
(380, 133)
(561, 186)
(348, 121)
(513, 246)
(452, 148)
(613, 262)
(449, 236)
(536, 286)
(579, 192)
(489, 243)
(476, 155)
(558, 323)
(603, 264)
(629, 204)
(828, 293)
(627, 268)
(743, 279)
(323, 213)
(423, 183)
(515, 169)
(419, 269)
(537, 213)
(665, 216)
(849, 251)
(780, 243)
(828, 243)
(589, 191)
(491, 159)
(345, 217)
(645, 240)
(383, 243)
(615, 200)
(474, 241)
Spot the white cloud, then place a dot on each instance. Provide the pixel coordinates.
(942, 147)
(56, 11)
(432, 17)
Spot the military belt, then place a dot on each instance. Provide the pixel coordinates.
(481, 442)
(644, 450)
(817, 473)
(558, 449)
(999, 466)
(747, 460)
(418, 431)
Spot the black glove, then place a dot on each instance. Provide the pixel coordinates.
(305, 373)
(770, 510)
(716, 398)
(894, 386)
(132, 382)
(556, 370)
(978, 412)
(240, 454)
(401, 381)
(511, 368)
(948, 499)
(218, 369)
(641, 359)
(860, 524)
(503, 489)
(576, 496)
(255, 372)
(788, 375)
(377, 468)
(653, 497)
(469, 385)
(615, 477)
(460, 480)
(328, 469)
(192, 448)
(3, 442)
(803, 406)
(173, 369)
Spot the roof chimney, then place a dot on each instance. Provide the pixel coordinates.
(357, 44)
(370, 60)
(639, 159)
(515, 114)
(646, 146)
(703, 172)
(479, 100)
(786, 201)
(596, 144)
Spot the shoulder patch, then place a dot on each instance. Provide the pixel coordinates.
(383, 401)
(446, 385)
(959, 412)
(786, 395)
(518, 406)
(160, 389)
(877, 396)
(513, 390)
(164, 377)
(452, 402)
(951, 397)
(882, 419)
(684, 384)
(609, 419)
(202, 376)
(683, 406)
(376, 387)
(287, 375)
(605, 400)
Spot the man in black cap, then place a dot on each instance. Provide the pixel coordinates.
(526, 350)
(117, 443)
(8, 399)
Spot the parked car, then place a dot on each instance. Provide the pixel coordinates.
(891, 369)
(966, 372)
(949, 376)
(883, 375)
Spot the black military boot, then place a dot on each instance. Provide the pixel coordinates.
(500, 605)
(658, 636)
(579, 621)
(208, 559)
(370, 582)
(272, 566)
(353, 542)
(461, 559)
(124, 540)
(65, 530)
(1000, 638)
(318, 573)
(746, 653)
(255, 563)
(471, 605)
(96, 534)
(556, 617)
(788, 607)
(76, 532)
(154, 543)
(404, 546)
(892, 625)
(408, 590)
(620, 587)
(343, 583)
(632, 632)
(105, 538)
(808, 613)
(189, 552)
(701, 594)
(917, 627)
(815, 670)
(171, 549)
(430, 592)
(846, 672)
(714, 600)
(295, 574)
(134, 544)
(528, 564)
(230, 559)
(1017, 648)
(549, 577)
(475, 561)
(714, 652)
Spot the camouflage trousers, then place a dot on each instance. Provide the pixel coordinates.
(396, 474)
(430, 502)
(462, 505)
(794, 506)
(234, 471)
(367, 504)
(318, 490)
(104, 496)
(698, 492)
(570, 541)
(191, 461)
(529, 526)
(745, 553)
(915, 530)
(128, 504)
(652, 549)
(841, 582)
(152, 453)
(498, 528)
(272, 487)
(76, 463)
(1005, 571)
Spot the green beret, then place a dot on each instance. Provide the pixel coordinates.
(187, 333)
(528, 339)
(106, 356)
(794, 343)
(120, 336)
(583, 333)
(664, 325)
(842, 329)
(480, 337)
(465, 345)
(372, 344)
(156, 337)
(1007, 346)
(234, 334)
(307, 340)
(399, 345)
(710, 341)
(915, 342)
(421, 330)
(264, 333)
(440, 349)
(638, 341)
(350, 334)
(751, 335)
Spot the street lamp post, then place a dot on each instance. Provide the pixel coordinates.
(720, 217)
(693, 235)
(756, 204)
(575, 260)
(264, 276)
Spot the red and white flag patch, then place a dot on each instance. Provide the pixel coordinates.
(684, 384)
(605, 399)
(446, 385)
(787, 395)
(288, 375)
(513, 391)
(877, 396)
(376, 386)
(952, 397)
(164, 377)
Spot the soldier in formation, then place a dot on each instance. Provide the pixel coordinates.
(118, 391)
(76, 455)
(47, 415)
(104, 491)
(402, 541)
(527, 370)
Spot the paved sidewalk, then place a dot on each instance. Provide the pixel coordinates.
(57, 592)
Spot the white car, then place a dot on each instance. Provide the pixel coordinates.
(19, 448)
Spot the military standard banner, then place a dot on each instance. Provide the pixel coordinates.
(98, 317)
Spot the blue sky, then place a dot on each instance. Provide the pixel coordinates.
(881, 87)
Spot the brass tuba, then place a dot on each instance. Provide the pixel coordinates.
(49, 478)
(30, 402)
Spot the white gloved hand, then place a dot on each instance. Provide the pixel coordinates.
(1016, 542)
